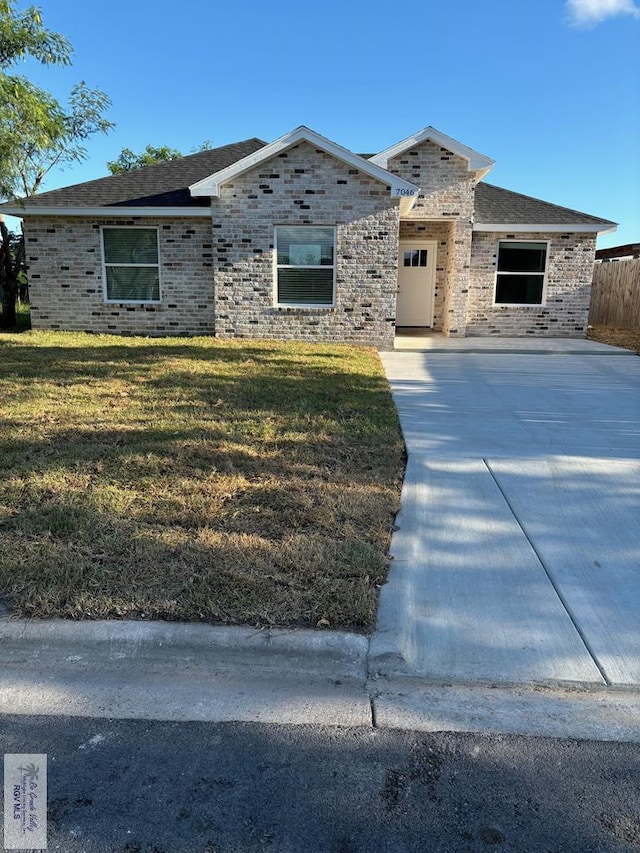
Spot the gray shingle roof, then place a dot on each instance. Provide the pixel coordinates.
(497, 206)
(167, 185)
(162, 185)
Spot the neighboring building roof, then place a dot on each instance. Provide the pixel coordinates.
(497, 209)
(630, 250)
(161, 185)
(477, 162)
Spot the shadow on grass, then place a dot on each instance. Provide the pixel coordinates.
(229, 482)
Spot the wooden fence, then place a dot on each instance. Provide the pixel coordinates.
(615, 294)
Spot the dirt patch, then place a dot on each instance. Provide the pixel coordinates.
(616, 336)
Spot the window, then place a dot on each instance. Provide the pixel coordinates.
(305, 265)
(521, 273)
(415, 258)
(131, 264)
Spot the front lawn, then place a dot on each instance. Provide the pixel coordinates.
(195, 479)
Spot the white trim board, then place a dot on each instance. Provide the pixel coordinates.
(111, 212)
(535, 228)
(205, 213)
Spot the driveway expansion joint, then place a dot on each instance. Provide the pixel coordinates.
(552, 581)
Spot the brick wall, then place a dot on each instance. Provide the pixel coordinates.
(305, 186)
(218, 277)
(566, 309)
(65, 277)
(447, 193)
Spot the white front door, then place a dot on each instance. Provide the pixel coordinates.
(416, 283)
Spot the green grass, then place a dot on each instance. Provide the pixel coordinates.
(23, 317)
(193, 479)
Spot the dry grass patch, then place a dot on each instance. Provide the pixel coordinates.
(195, 479)
(616, 336)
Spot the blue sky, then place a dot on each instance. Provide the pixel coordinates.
(549, 89)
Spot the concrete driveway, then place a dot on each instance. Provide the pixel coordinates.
(516, 557)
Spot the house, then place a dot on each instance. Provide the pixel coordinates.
(616, 253)
(303, 239)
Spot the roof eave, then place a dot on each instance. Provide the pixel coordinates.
(574, 227)
(113, 211)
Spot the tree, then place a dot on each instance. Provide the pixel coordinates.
(127, 160)
(151, 155)
(23, 34)
(12, 258)
(37, 133)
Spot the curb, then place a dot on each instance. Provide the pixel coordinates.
(293, 651)
(528, 710)
(199, 672)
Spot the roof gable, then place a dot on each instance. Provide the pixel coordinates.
(476, 162)
(400, 188)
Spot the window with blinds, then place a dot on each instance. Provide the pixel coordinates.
(305, 265)
(131, 264)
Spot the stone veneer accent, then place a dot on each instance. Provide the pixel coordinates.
(306, 186)
(447, 193)
(566, 309)
(64, 257)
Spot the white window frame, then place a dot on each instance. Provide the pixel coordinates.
(277, 266)
(106, 298)
(543, 297)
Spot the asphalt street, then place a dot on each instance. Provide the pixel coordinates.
(118, 786)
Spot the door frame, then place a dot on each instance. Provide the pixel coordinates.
(422, 244)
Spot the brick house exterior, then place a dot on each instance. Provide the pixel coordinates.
(303, 239)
